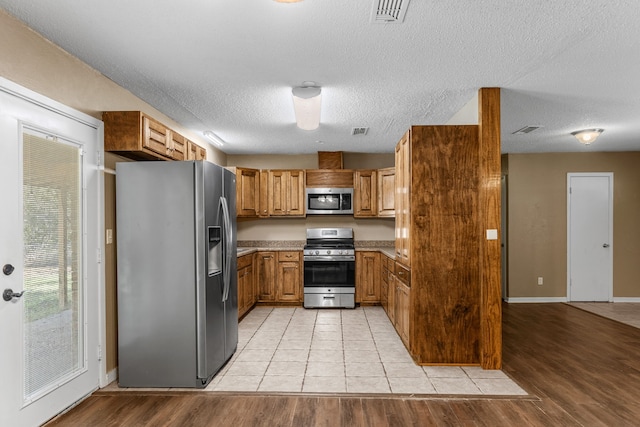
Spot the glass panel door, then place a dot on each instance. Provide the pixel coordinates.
(53, 285)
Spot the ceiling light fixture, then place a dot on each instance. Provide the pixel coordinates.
(217, 141)
(288, 1)
(306, 105)
(587, 136)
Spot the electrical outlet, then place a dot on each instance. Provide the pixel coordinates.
(540, 280)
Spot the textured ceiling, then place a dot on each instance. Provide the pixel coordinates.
(228, 66)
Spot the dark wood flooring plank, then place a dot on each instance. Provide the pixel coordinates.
(317, 412)
(351, 413)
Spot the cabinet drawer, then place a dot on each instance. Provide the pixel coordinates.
(244, 261)
(403, 274)
(289, 256)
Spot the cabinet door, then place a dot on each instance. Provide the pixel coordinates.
(241, 291)
(403, 296)
(278, 188)
(289, 283)
(178, 145)
(391, 297)
(368, 277)
(286, 193)
(365, 194)
(155, 136)
(266, 276)
(195, 152)
(402, 198)
(248, 192)
(386, 192)
(263, 203)
(384, 283)
(295, 193)
(248, 289)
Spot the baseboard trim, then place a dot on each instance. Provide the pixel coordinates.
(626, 299)
(111, 376)
(536, 300)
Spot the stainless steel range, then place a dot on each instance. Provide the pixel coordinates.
(329, 268)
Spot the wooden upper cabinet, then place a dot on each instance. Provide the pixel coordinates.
(365, 194)
(386, 192)
(286, 193)
(178, 146)
(247, 191)
(263, 201)
(402, 199)
(135, 135)
(196, 152)
(155, 136)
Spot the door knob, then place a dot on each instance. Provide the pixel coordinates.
(606, 245)
(8, 294)
(7, 269)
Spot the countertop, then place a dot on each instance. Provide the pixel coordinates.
(243, 250)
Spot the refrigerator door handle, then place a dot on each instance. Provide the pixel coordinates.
(228, 231)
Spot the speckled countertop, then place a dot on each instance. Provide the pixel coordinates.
(246, 247)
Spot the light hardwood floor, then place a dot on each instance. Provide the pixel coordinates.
(580, 368)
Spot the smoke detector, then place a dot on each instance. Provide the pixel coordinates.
(359, 131)
(388, 11)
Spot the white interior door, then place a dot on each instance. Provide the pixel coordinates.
(49, 240)
(590, 235)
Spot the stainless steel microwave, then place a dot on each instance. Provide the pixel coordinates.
(329, 201)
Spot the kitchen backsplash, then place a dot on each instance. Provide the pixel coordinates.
(300, 243)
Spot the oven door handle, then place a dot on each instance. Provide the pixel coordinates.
(329, 258)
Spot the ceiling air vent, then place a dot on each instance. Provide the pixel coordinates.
(359, 131)
(388, 11)
(525, 130)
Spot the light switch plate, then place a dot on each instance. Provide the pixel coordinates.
(109, 236)
(492, 234)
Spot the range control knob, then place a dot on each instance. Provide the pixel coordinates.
(328, 252)
(317, 252)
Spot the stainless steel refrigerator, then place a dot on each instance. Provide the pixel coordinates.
(177, 272)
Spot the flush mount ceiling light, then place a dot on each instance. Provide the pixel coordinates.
(587, 136)
(306, 105)
(287, 1)
(217, 141)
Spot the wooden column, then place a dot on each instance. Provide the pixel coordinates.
(489, 218)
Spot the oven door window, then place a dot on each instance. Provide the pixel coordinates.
(324, 201)
(329, 273)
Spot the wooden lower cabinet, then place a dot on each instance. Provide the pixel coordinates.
(368, 277)
(246, 285)
(397, 297)
(279, 276)
(289, 278)
(402, 308)
(384, 283)
(266, 276)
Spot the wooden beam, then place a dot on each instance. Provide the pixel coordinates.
(489, 219)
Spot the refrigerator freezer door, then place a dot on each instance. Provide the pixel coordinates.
(156, 274)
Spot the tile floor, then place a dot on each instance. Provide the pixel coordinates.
(623, 312)
(284, 349)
